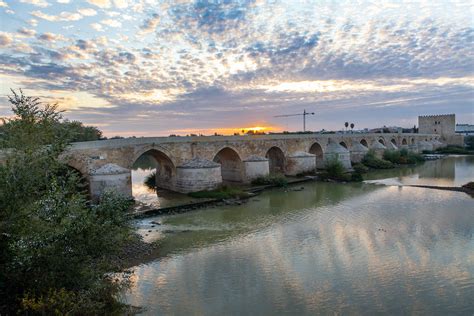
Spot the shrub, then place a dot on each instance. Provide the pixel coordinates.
(451, 149)
(469, 185)
(150, 181)
(371, 161)
(357, 177)
(392, 155)
(278, 180)
(360, 168)
(55, 247)
(334, 168)
(335, 171)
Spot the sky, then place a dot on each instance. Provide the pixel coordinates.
(154, 68)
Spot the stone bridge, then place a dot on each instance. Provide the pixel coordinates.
(188, 164)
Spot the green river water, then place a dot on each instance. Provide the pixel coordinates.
(368, 248)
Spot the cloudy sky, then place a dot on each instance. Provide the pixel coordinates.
(150, 68)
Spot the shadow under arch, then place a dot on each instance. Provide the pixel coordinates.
(165, 169)
(394, 141)
(343, 144)
(404, 142)
(276, 160)
(231, 164)
(382, 141)
(364, 143)
(317, 150)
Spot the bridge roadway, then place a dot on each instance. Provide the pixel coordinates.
(187, 164)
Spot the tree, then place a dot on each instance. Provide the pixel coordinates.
(346, 124)
(352, 127)
(55, 247)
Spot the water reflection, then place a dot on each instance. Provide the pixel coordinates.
(145, 197)
(449, 171)
(329, 248)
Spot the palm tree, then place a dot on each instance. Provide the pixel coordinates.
(346, 124)
(352, 127)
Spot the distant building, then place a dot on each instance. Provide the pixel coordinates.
(465, 129)
(443, 125)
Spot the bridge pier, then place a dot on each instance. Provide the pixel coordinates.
(110, 177)
(338, 152)
(198, 175)
(358, 152)
(300, 162)
(255, 167)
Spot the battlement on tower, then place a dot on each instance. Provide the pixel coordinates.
(437, 116)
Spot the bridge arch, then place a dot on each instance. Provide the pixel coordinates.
(394, 141)
(343, 144)
(412, 141)
(317, 150)
(231, 164)
(382, 141)
(364, 143)
(276, 160)
(165, 169)
(404, 142)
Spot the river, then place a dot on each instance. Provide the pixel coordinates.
(375, 247)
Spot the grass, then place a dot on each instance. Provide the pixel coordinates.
(278, 180)
(224, 192)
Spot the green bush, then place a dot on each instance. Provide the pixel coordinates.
(334, 168)
(150, 181)
(455, 150)
(371, 161)
(224, 192)
(335, 171)
(278, 180)
(392, 155)
(357, 177)
(402, 157)
(56, 249)
(360, 168)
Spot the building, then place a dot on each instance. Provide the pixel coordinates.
(443, 125)
(465, 129)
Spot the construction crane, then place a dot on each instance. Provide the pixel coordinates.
(303, 114)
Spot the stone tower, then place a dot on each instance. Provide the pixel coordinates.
(443, 125)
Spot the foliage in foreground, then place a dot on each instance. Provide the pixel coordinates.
(278, 180)
(56, 250)
(224, 192)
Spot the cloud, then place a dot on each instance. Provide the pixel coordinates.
(97, 27)
(63, 16)
(38, 3)
(5, 39)
(3, 4)
(87, 12)
(100, 3)
(63, 1)
(111, 23)
(50, 37)
(208, 58)
(26, 32)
